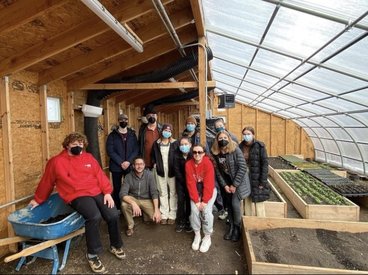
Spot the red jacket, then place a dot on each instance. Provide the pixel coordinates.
(203, 172)
(73, 176)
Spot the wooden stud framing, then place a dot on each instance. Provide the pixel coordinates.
(202, 89)
(7, 148)
(71, 121)
(44, 126)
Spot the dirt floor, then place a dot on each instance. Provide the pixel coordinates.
(152, 249)
(158, 249)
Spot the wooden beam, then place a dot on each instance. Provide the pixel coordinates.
(146, 86)
(71, 121)
(115, 48)
(44, 126)
(202, 90)
(131, 59)
(198, 16)
(22, 12)
(7, 148)
(70, 38)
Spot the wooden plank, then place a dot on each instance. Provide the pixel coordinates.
(21, 12)
(71, 121)
(44, 126)
(43, 245)
(146, 86)
(198, 17)
(12, 240)
(151, 51)
(202, 77)
(264, 223)
(7, 148)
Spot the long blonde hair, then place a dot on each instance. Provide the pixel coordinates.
(215, 149)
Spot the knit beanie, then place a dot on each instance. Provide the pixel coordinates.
(191, 119)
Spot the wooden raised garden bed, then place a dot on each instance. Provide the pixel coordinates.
(276, 206)
(292, 253)
(312, 199)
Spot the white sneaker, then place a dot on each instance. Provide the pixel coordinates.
(196, 242)
(206, 243)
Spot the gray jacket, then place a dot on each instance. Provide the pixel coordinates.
(139, 188)
(238, 173)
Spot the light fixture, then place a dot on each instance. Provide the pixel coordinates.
(112, 22)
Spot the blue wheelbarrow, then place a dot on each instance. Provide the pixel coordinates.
(40, 230)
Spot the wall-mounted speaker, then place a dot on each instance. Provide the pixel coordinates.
(226, 101)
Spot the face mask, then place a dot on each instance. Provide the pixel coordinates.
(166, 134)
(123, 124)
(223, 143)
(184, 148)
(219, 129)
(190, 127)
(76, 150)
(247, 138)
(151, 119)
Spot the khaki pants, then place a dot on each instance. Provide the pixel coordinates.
(253, 208)
(145, 205)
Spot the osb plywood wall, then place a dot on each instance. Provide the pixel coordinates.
(281, 136)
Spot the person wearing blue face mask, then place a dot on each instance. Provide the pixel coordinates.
(183, 213)
(220, 126)
(191, 130)
(255, 154)
(163, 152)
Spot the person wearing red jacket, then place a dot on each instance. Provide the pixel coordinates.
(83, 185)
(200, 178)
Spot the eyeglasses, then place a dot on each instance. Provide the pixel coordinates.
(197, 152)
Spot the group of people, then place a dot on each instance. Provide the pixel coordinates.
(165, 180)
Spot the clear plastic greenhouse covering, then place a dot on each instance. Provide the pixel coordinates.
(302, 60)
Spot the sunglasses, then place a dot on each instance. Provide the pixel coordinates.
(197, 152)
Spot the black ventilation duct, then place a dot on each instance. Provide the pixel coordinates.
(94, 97)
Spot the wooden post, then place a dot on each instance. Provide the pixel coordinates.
(270, 147)
(286, 137)
(71, 121)
(7, 150)
(44, 126)
(202, 89)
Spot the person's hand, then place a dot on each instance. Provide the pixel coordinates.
(204, 205)
(136, 209)
(33, 204)
(227, 189)
(232, 188)
(156, 216)
(125, 165)
(109, 201)
(199, 206)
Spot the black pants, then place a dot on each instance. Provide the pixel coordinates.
(93, 209)
(183, 211)
(116, 182)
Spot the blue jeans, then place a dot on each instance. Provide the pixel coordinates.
(93, 210)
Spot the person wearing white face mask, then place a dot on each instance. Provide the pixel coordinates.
(183, 212)
(191, 130)
(255, 154)
(163, 153)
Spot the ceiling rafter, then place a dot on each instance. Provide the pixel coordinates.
(130, 59)
(22, 12)
(70, 38)
(117, 47)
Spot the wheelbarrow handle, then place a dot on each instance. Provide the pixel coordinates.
(12, 240)
(43, 245)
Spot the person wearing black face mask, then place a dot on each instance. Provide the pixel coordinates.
(122, 148)
(148, 134)
(232, 175)
(83, 185)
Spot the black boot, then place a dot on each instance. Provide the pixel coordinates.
(236, 233)
(229, 231)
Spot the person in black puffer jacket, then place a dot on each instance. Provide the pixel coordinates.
(255, 154)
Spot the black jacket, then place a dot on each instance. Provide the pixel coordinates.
(116, 152)
(179, 167)
(258, 170)
(157, 157)
(142, 134)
